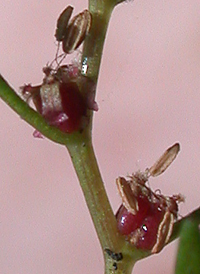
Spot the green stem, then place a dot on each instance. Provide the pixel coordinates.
(84, 161)
(83, 158)
(93, 45)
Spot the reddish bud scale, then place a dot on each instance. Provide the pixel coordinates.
(148, 231)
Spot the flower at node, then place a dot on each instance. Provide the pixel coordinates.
(58, 99)
(146, 217)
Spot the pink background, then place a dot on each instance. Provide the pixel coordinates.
(148, 95)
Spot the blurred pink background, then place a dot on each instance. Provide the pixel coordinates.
(149, 98)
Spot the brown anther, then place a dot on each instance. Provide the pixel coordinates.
(62, 23)
(76, 31)
(164, 161)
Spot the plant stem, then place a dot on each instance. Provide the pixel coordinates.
(93, 45)
(83, 158)
(84, 161)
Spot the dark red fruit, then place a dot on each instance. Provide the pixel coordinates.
(127, 222)
(148, 231)
(141, 228)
